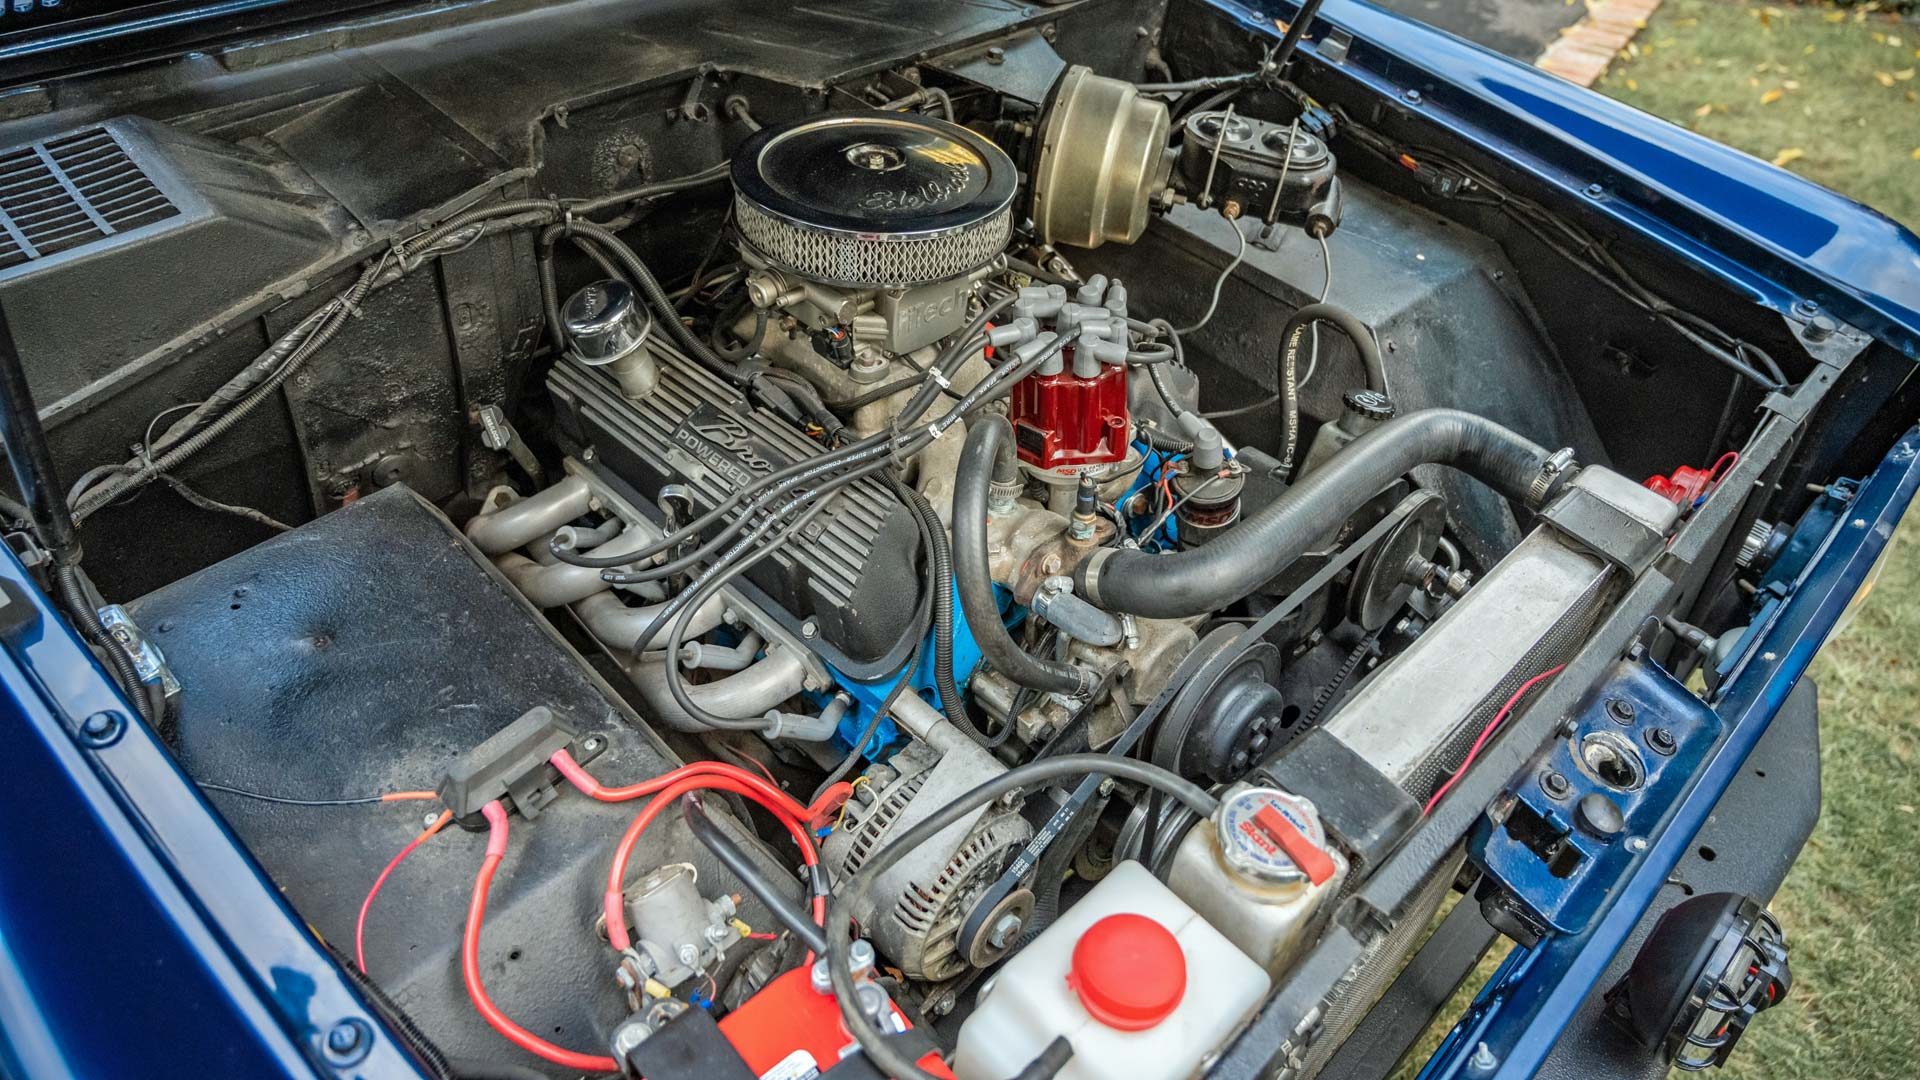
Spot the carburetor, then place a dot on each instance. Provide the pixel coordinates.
(870, 230)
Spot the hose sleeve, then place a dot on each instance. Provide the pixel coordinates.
(1354, 330)
(1240, 560)
(990, 441)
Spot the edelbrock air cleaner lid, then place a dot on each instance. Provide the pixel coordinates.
(872, 199)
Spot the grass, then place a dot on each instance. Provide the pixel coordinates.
(1832, 94)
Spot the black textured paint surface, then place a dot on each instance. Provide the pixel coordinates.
(358, 655)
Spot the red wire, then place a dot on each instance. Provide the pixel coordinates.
(665, 788)
(360, 925)
(820, 812)
(470, 962)
(745, 784)
(1487, 733)
(695, 777)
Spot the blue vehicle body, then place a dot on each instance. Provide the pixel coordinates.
(137, 937)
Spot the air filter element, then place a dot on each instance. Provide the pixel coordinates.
(871, 199)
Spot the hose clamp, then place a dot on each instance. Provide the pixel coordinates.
(1552, 470)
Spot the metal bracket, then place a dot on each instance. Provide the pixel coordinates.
(691, 108)
(1828, 340)
(1577, 819)
(1614, 518)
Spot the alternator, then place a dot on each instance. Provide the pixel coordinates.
(915, 910)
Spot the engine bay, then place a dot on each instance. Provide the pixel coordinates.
(1040, 513)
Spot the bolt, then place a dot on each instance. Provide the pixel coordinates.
(629, 1035)
(1636, 844)
(1596, 191)
(1005, 931)
(427, 822)
(349, 1041)
(1599, 816)
(942, 1003)
(1621, 710)
(1482, 1059)
(1805, 309)
(809, 629)
(1411, 97)
(690, 955)
(1555, 784)
(102, 728)
(860, 957)
(1661, 740)
(587, 454)
(1769, 657)
(1821, 327)
(996, 55)
(1050, 565)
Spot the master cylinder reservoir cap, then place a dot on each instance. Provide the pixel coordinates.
(1273, 837)
(1128, 971)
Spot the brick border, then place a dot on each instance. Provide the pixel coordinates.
(1586, 48)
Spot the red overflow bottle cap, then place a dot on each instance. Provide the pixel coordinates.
(1129, 972)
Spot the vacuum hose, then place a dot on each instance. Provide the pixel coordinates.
(1291, 337)
(989, 451)
(1243, 558)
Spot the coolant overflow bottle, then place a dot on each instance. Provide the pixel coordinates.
(1262, 871)
(1139, 985)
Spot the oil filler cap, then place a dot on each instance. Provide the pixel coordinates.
(1129, 972)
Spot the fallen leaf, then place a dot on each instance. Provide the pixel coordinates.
(1904, 74)
(1836, 16)
(1905, 808)
(1704, 110)
(1776, 93)
(1791, 84)
(1884, 78)
(1633, 84)
(1789, 155)
(1916, 153)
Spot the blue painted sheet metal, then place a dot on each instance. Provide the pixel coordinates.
(1522, 1011)
(1562, 873)
(137, 938)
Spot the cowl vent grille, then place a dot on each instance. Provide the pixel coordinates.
(71, 191)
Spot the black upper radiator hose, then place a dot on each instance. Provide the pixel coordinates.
(1243, 558)
(989, 449)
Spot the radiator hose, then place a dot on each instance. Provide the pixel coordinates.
(1240, 560)
(989, 450)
